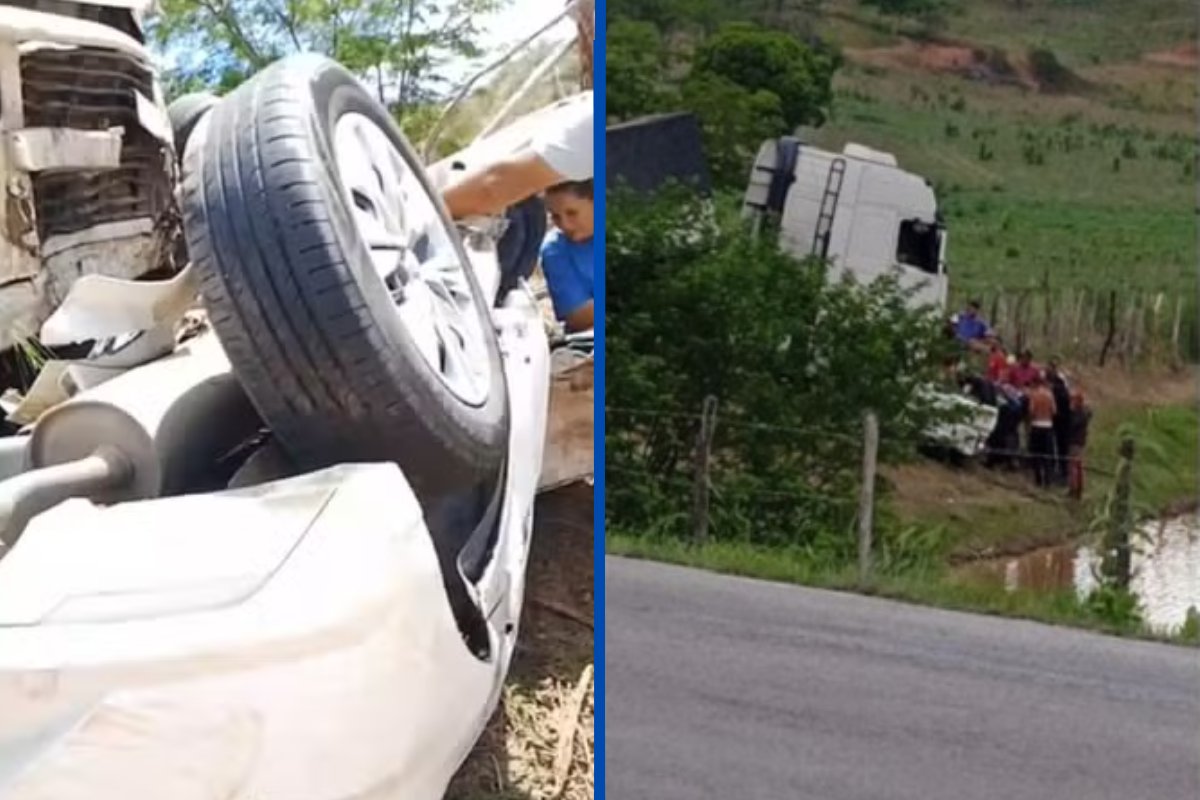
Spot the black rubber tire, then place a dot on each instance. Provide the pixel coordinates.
(185, 113)
(309, 328)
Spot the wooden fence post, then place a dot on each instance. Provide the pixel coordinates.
(1176, 355)
(1116, 565)
(704, 440)
(866, 503)
(1112, 326)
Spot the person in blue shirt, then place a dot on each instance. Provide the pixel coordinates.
(970, 327)
(567, 254)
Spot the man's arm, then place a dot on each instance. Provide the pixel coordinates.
(561, 151)
(493, 188)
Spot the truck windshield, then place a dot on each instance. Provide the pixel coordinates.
(919, 245)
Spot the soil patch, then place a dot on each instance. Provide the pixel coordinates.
(974, 63)
(1185, 56)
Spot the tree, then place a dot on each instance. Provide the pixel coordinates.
(634, 69)
(794, 359)
(397, 46)
(734, 122)
(672, 15)
(799, 74)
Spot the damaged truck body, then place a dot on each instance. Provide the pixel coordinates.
(865, 217)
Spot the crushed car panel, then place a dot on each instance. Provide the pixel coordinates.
(87, 164)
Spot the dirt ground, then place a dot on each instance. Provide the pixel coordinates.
(1185, 56)
(955, 58)
(540, 744)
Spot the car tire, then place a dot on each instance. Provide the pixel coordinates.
(184, 113)
(279, 212)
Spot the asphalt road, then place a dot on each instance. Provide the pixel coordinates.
(732, 689)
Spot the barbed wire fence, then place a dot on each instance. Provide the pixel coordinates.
(704, 482)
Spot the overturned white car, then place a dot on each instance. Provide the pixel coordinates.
(278, 553)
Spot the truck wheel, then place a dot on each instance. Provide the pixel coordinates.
(338, 284)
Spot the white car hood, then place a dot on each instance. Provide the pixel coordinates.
(216, 550)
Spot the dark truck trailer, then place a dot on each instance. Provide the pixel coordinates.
(647, 153)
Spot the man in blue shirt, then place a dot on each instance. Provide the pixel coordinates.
(970, 327)
(567, 254)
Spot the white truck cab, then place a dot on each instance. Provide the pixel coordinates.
(857, 209)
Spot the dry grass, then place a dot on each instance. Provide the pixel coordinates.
(540, 745)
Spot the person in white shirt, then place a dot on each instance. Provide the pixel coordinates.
(560, 153)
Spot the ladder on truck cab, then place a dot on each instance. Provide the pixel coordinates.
(829, 201)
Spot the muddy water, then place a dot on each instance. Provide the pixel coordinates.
(1166, 566)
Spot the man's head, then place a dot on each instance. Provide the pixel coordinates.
(572, 210)
(1026, 358)
(972, 309)
(1076, 398)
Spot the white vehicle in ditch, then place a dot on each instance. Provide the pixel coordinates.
(866, 217)
(282, 556)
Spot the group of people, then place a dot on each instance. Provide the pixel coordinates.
(1042, 419)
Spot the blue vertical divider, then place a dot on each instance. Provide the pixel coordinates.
(598, 522)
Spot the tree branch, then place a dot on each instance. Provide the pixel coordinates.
(227, 17)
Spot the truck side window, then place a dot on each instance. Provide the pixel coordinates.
(918, 245)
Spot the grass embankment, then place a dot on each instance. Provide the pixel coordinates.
(954, 514)
(927, 588)
(987, 512)
(930, 586)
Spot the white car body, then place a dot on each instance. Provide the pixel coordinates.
(283, 641)
(971, 423)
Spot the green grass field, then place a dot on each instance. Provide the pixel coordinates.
(1090, 188)
(1034, 193)
(1082, 32)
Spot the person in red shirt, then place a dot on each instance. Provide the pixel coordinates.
(997, 363)
(1023, 374)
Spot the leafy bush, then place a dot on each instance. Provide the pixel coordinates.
(634, 67)
(734, 122)
(760, 60)
(1049, 72)
(794, 360)
(1115, 606)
